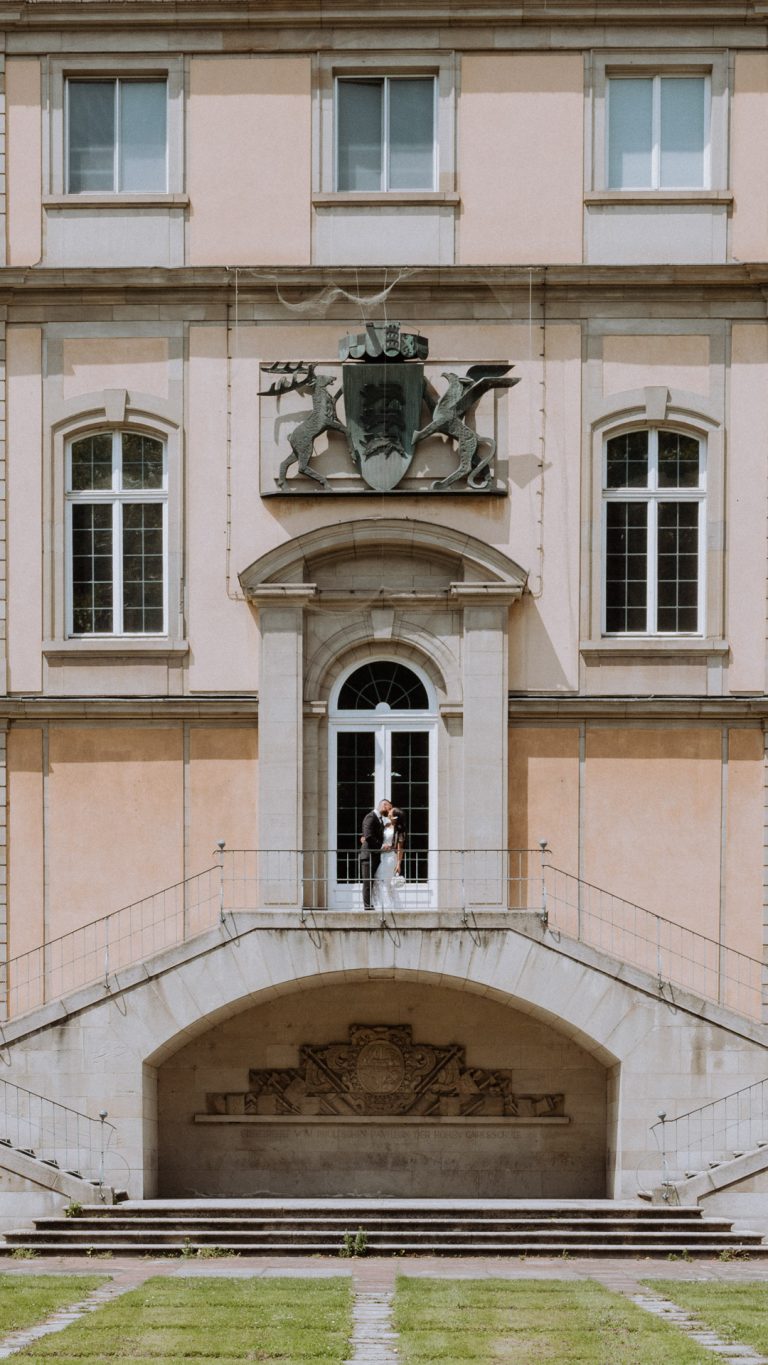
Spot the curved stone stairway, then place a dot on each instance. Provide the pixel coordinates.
(274, 1227)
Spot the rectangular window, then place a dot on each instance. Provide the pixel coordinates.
(385, 133)
(117, 534)
(117, 136)
(658, 132)
(654, 524)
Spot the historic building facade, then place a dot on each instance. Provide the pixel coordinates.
(385, 412)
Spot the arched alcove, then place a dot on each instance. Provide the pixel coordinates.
(382, 1088)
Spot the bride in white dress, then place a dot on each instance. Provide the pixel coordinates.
(388, 879)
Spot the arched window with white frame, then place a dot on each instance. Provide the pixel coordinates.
(117, 534)
(654, 519)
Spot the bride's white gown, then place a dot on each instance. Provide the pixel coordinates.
(385, 895)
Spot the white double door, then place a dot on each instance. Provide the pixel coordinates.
(395, 758)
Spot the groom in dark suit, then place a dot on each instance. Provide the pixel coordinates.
(371, 840)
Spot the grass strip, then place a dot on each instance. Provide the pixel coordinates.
(171, 1319)
(523, 1321)
(28, 1299)
(737, 1312)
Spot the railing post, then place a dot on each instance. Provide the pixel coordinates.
(544, 913)
(664, 1182)
(106, 953)
(220, 846)
(103, 1115)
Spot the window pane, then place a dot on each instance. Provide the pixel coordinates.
(626, 577)
(411, 134)
(142, 461)
(359, 139)
(682, 132)
(92, 568)
(678, 566)
(92, 461)
(678, 460)
(142, 136)
(91, 136)
(630, 134)
(627, 460)
(143, 568)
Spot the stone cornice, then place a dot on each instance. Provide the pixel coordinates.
(260, 14)
(576, 707)
(258, 285)
(225, 709)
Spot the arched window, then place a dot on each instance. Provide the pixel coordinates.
(116, 496)
(383, 685)
(654, 519)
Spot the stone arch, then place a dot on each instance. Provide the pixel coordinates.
(474, 560)
(357, 642)
(264, 1121)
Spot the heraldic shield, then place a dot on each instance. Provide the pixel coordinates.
(383, 400)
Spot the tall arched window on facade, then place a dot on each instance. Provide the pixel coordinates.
(116, 497)
(654, 525)
(382, 743)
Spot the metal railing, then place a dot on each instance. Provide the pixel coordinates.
(714, 1132)
(672, 953)
(311, 882)
(54, 1133)
(103, 946)
(317, 880)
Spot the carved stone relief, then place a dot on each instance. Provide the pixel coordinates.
(381, 1071)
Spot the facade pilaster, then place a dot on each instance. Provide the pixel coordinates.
(280, 805)
(485, 669)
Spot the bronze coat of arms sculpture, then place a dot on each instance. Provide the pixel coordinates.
(385, 396)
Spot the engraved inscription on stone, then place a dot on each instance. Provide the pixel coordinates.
(381, 1071)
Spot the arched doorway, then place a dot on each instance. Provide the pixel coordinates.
(383, 731)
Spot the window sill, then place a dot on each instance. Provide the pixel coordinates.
(115, 201)
(634, 645)
(111, 646)
(345, 198)
(597, 197)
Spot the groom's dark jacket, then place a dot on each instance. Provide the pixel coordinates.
(373, 830)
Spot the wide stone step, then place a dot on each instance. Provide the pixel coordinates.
(405, 1212)
(436, 1239)
(494, 1226)
(331, 1248)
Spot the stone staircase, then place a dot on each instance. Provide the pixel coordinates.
(275, 1227)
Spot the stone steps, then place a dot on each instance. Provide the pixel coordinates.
(468, 1228)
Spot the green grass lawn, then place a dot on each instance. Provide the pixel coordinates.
(737, 1312)
(526, 1321)
(27, 1299)
(289, 1321)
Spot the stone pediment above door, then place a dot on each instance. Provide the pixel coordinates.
(388, 557)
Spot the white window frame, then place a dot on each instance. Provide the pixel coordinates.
(331, 68)
(386, 81)
(117, 81)
(652, 495)
(59, 71)
(116, 497)
(346, 896)
(655, 81)
(606, 66)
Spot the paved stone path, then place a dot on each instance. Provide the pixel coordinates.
(374, 1339)
(664, 1308)
(27, 1336)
